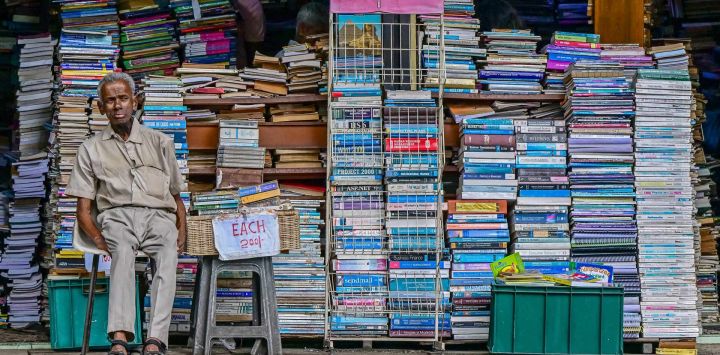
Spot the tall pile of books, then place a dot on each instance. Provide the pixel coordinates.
(34, 95)
(477, 235)
(147, 39)
(302, 271)
(209, 39)
(18, 261)
(164, 110)
(304, 68)
(707, 269)
(239, 145)
(600, 112)
(540, 228)
(564, 49)
(487, 158)
(665, 211)
(412, 220)
(513, 65)
(461, 45)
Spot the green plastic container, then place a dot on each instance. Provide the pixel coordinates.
(556, 320)
(68, 302)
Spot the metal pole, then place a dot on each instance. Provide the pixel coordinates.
(91, 300)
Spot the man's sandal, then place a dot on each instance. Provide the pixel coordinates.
(122, 343)
(156, 342)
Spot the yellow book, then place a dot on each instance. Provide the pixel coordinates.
(259, 197)
(672, 351)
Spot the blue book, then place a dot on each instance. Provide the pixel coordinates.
(478, 233)
(251, 190)
(544, 193)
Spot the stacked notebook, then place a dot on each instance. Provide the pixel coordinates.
(478, 235)
(670, 56)
(18, 261)
(665, 209)
(600, 111)
(302, 271)
(34, 95)
(239, 145)
(147, 38)
(513, 65)
(707, 275)
(90, 15)
(461, 45)
(412, 171)
(209, 38)
(97, 121)
(564, 49)
(212, 81)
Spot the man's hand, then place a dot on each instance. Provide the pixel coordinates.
(182, 238)
(101, 244)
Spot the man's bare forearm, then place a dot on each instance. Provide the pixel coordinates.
(181, 219)
(84, 217)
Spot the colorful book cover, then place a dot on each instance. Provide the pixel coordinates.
(511, 264)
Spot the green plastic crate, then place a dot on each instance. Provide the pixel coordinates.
(556, 320)
(68, 302)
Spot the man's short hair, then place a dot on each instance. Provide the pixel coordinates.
(315, 15)
(113, 77)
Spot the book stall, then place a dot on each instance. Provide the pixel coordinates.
(447, 170)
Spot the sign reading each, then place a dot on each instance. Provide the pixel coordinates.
(246, 236)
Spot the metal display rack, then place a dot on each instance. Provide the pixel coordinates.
(384, 188)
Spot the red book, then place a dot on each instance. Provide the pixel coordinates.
(411, 144)
(208, 91)
(477, 140)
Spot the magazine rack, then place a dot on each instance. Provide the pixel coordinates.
(385, 163)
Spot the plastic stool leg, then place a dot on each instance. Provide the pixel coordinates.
(91, 301)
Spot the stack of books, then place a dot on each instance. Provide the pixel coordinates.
(209, 81)
(97, 121)
(147, 38)
(540, 228)
(99, 16)
(564, 49)
(513, 65)
(670, 56)
(297, 158)
(215, 202)
(478, 235)
(487, 159)
(707, 269)
(234, 297)
(304, 68)
(294, 113)
(239, 145)
(574, 13)
(164, 110)
(302, 271)
(268, 77)
(209, 38)
(34, 95)
(631, 56)
(412, 171)
(600, 112)
(665, 211)
(358, 61)
(18, 261)
(461, 45)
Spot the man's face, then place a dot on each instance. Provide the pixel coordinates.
(117, 103)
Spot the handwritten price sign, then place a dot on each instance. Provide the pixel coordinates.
(246, 236)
